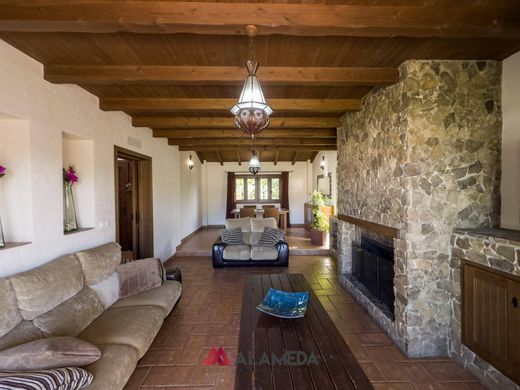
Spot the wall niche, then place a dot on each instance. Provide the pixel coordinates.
(78, 152)
(15, 187)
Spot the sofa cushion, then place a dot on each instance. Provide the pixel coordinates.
(107, 290)
(135, 326)
(264, 253)
(237, 252)
(72, 316)
(9, 314)
(24, 332)
(48, 353)
(45, 287)
(138, 276)
(258, 224)
(68, 378)
(100, 262)
(242, 223)
(114, 368)
(255, 237)
(271, 236)
(232, 236)
(165, 297)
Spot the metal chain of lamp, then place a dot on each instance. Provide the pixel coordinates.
(251, 111)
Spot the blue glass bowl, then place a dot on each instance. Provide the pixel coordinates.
(284, 304)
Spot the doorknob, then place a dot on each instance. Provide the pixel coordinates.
(514, 302)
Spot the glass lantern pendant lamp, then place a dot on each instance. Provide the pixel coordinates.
(252, 111)
(254, 164)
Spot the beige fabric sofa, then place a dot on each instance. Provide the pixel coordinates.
(55, 299)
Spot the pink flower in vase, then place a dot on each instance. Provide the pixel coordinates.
(69, 176)
(2, 171)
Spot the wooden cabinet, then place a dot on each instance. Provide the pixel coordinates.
(491, 317)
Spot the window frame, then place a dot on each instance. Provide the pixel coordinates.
(257, 178)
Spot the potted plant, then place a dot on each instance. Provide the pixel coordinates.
(320, 222)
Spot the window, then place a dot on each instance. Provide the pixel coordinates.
(257, 189)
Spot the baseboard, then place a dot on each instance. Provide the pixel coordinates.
(213, 226)
(298, 225)
(191, 235)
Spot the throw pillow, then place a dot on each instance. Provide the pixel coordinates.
(107, 290)
(69, 378)
(232, 236)
(271, 236)
(138, 276)
(53, 352)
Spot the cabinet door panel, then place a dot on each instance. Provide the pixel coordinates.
(514, 330)
(485, 321)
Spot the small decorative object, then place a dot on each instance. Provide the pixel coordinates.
(70, 222)
(254, 164)
(284, 304)
(320, 223)
(251, 111)
(2, 241)
(190, 163)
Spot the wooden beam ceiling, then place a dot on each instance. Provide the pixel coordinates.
(226, 18)
(218, 142)
(226, 122)
(219, 75)
(233, 133)
(212, 148)
(194, 104)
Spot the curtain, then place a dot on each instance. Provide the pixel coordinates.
(230, 204)
(284, 204)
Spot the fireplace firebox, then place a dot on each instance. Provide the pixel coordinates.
(373, 267)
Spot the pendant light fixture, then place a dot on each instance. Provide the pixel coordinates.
(254, 164)
(190, 163)
(251, 111)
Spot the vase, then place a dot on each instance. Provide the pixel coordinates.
(2, 241)
(318, 237)
(70, 221)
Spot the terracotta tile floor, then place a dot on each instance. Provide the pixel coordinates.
(297, 237)
(208, 315)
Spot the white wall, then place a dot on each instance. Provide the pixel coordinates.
(214, 185)
(511, 142)
(191, 194)
(53, 109)
(331, 158)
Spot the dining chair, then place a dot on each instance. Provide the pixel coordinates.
(268, 206)
(272, 212)
(247, 212)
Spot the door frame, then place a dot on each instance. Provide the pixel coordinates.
(144, 183)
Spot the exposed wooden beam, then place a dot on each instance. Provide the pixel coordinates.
(227, 122)
(219, 75)
(314, 155)
(213, 148)
(239, 159)
(225, 18)
(276, 155)
(295, 156)
(249, 142)
(189, 104)
(219, 157)
(200, 157)
(234, 133)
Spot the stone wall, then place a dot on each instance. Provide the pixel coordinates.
(499, 251)
(423, 157)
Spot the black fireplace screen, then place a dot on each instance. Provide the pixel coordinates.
(373, 266)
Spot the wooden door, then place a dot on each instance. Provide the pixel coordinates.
(485, 318)
(127, 206)
(514, 330)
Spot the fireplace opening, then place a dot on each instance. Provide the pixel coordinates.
(373, 267)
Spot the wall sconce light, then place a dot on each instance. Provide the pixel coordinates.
(323, 163)
(190, 163)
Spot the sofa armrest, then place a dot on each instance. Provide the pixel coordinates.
(218, 253)
(283, 253)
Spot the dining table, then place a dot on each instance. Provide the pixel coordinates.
(282, 223)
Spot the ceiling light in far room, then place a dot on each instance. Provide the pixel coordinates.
(191, 164)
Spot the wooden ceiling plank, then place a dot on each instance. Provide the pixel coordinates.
(216, 122)
(213, 148)
(219, 75)
(276, 156)
(238, 158)
(219, 157)
(249, 142)
(294, 157)
(189, 104)
(234, 133)
(229, 19)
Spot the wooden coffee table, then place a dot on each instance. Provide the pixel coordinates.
(333, 366)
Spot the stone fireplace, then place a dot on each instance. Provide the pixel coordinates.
(421, 159)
